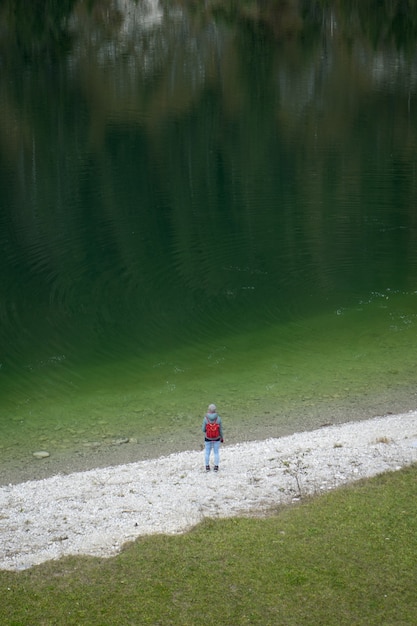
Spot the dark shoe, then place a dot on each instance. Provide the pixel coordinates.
(216, 468)
(207, 468)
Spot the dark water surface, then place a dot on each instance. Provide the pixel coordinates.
(199, 207)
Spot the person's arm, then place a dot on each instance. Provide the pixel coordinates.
(203, 428)
(221, 427)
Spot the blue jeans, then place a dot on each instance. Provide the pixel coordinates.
(215, 446)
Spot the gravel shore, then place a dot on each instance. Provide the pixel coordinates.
(95, 512)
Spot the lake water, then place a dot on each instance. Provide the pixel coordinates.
(201, 206)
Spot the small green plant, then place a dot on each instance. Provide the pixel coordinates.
(296, 468)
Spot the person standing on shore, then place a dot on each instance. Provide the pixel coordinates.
(213, 436)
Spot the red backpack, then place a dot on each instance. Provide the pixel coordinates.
(213, 429)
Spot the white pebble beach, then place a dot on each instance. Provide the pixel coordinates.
(95, 512)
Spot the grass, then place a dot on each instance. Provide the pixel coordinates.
(347, 557)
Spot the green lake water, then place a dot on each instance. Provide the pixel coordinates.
(200, 206)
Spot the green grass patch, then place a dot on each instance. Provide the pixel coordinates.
(347, 557)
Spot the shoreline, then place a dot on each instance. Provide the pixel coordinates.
(268, 423)
(95, 512)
